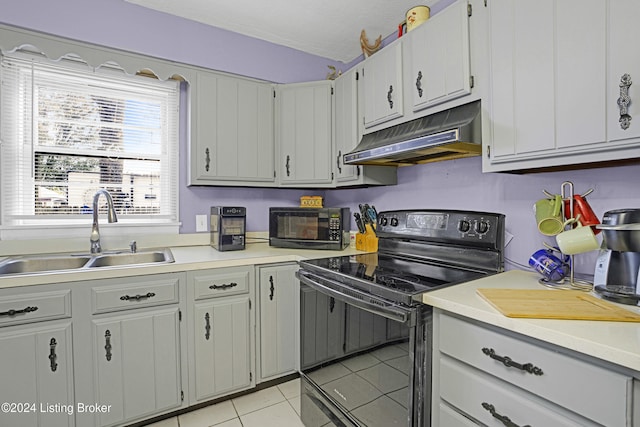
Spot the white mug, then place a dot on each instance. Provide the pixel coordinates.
(577, 240)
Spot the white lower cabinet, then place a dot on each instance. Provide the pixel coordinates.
(491, 377)
(278, 296)
(36, 362)
(221, 332)
(137, 360)
(36, 368)
(135, 331)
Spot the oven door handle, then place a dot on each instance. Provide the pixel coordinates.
(390, 312)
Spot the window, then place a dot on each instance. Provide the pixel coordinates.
(68, 130)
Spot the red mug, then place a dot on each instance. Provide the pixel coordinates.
(581, 207)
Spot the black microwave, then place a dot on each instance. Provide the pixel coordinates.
(309, 228)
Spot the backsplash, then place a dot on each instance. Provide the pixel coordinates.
(460, 184)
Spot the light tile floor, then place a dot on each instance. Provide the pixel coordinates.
(277, 406)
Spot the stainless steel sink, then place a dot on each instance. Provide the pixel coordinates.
(52, 262)
(150, 256)
(38, 263)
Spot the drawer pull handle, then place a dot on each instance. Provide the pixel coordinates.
(502, 418)
(224, 286)
(12, 313)
(137, 297)
(207, 327)
(509, 363)
(107, 345)
(419, 84)
(52, 354)
(389, 97)
(288, 166)
(624, 101)
(332, 304)
(271, 288)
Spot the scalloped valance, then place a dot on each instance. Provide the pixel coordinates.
(56, 49)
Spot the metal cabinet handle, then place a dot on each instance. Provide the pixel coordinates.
(207, 160)
(502, 418)
(419, 84)
(509, 363)
(358, 171)
(107, 345)
(389, 99)
(338, 161)
(624, 101)
(271, 288)
(332, 304)
(52, 354)
(287, 165)
(207, 326)
(12, 312)
(223, 286)
(137, 297)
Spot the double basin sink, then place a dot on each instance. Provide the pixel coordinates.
(29, 264)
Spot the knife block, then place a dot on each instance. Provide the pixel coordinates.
(367, 241)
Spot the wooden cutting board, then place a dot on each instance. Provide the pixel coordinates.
(555, 304)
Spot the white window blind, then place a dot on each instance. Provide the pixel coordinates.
(68, 130)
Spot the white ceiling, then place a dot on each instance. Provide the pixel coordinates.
(329, 28)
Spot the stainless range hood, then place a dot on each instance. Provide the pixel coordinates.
(449, 134)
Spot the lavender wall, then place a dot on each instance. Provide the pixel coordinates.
(454, 184)
(121, 25)
(460, 184)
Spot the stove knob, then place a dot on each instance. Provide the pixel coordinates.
(464, 225)
(383, 220)
(482, 227)
(394, 222)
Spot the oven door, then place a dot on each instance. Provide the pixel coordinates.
(363, 359)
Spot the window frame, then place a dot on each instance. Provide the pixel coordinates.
(77, 225)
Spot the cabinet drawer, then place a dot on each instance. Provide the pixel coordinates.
(221, 282)
(587, 389)
(450, 418)
(135, 294)
(37, 307)
(485, 398)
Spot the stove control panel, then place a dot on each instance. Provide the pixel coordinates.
(484, 229)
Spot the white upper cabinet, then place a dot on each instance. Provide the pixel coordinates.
(555, 70)
(624, 36)
(304, 134)
(438, 56)
(348, 132)
(382, 77)
(232, 135)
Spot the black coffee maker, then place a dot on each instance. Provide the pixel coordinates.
(617, 273)
(228, 227)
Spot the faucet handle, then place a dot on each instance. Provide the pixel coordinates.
(133, 246)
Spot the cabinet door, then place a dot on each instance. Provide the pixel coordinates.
(137, 364)
(382, 75)
(279, 318)
(547, 77)
(234, 139)
(37, 374)
(222, 347)
(348, 132)
(346, 123)
(439, 57)
(305, 133)
(624, 33)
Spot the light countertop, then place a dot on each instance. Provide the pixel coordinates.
(186, 258)
(615, 342)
